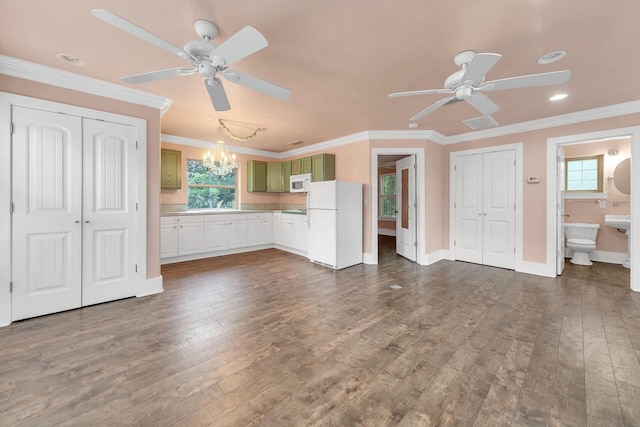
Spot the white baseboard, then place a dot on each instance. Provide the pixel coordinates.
(368, 258)
(436, 256)
(204, 255)
(386, 232)
(150, 287)
(609, 257)
(536, 268)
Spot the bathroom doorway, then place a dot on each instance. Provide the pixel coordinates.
(612, 148)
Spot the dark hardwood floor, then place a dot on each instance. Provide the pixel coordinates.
(269, 339)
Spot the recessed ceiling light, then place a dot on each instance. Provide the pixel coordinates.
(552, 57)
(558, 97)
(70, 59)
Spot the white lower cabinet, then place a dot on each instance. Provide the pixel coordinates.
(187, 235)
(290, 231)
(190, 234)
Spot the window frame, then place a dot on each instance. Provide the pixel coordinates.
(600, 173)
(381, 197)
(190, 185)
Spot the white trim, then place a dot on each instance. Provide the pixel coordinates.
(369, 259)
(439, 255)
(602, 256)
(173, 139)
(535, 268)
(552, 144)
(386, 231)
(584, 196)
(215, 254)
(55, 77)
(420, 154)
(549, 122)
(150, 287)
(7, 100)
(519, 177)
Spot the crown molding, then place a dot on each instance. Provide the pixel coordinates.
(549, 122)
(173, 139)
(52, 76)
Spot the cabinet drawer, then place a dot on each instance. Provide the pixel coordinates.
(190, 219)
(168, 220)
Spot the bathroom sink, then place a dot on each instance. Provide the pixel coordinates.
(622, 222)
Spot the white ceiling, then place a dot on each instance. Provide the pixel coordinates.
(342, 58)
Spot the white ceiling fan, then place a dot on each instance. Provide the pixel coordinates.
(206, 57)
(468, 83)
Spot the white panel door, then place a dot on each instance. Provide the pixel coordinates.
(468, 209)
(168, 240)
(257, 232)
(109, 211)
(485, 209)
(237, 234)
(215, 236)
(406, 236)
(560, 237)
(498, 213)
(46, 227)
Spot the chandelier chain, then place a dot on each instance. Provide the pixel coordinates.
(236, 137)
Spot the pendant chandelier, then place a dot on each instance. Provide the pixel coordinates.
(219, 161)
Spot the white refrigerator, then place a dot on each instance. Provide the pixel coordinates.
(335, 223)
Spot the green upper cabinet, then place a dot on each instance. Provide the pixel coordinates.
(170, 169)
(274, 177)
(306, 165)
(296, 167)
(286, 175)
(324, 167)
(256, 176)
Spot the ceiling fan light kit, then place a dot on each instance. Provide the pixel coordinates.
(206, 57)
(468, 84)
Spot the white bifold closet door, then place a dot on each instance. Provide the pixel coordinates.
(74, 212)
(485, 209)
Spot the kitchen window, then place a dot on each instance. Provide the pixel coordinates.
(387, 196)
(584, 174)
(207, 191)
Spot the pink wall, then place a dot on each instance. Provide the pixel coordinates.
(609, 239)
(151, 115)
(535, 196)
(435, 166)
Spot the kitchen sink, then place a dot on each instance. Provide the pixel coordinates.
(621, 222)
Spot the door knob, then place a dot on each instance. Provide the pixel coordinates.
(86, 222)
(76, 222)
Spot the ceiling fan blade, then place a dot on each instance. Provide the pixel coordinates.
(480, 66)
(482, 103)
(420, 92)
(432, 107)
(240, 45)
(217, 94)
(157, 75)
(133, 29)
(260, 85)
(532, 80)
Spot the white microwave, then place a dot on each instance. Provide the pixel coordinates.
(299, 183)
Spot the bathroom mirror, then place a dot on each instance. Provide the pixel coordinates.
(622, 176)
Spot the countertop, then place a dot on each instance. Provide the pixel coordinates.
(229, 211)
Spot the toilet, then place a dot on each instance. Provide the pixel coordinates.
(581, 240)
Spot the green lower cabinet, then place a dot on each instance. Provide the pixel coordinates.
(274, 177)
(324, 167)
(286, 176)
(306, 165)
(256, 176)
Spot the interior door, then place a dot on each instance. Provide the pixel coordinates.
(485, 208)
(560, 238)
(468, 209)
(498, 212)
(406, 235)
(46, 221)
(109, 211)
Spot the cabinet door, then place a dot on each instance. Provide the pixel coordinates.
(256, 176)
(306, 164)
(286, 176)
(170, 169)
(190, 238)
(169, 241)
(323, 167)
(296, 167)
(257, 232)
(304, 244)
(295, 234)
(215, 236)
(237, 237)
(274, 177)
(278, 231)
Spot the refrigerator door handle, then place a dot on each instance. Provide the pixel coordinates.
(308, 213)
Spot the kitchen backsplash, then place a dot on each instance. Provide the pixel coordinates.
(168, 208)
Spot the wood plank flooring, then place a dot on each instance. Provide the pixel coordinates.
(269, 339)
